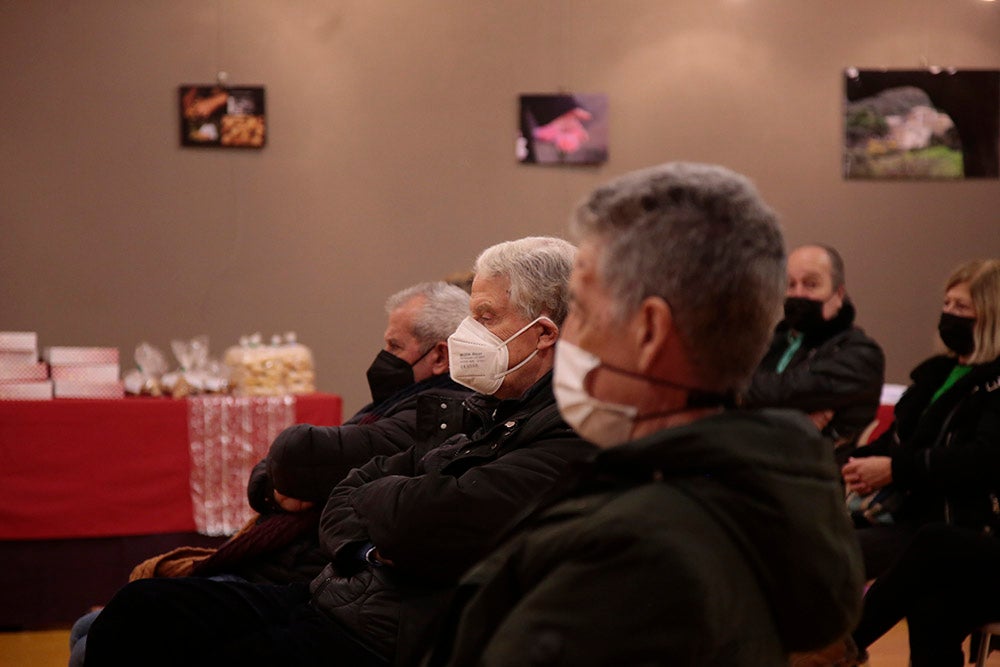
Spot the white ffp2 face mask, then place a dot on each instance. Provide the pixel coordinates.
(604, 424)
(478, 359)
(609, 424)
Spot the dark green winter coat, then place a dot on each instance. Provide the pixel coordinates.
(722, 542)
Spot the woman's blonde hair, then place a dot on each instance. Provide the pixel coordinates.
(983, 278)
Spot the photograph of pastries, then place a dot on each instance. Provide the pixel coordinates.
(230, 117)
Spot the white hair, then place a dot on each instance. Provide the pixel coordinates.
(445, 306)
(538, 268)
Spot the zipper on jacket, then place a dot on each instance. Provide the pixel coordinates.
(315, 594)
(509, 428)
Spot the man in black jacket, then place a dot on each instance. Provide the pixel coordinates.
(414, 399)
(400, 530)
(818, 361)
(407, 379)
(305, 462)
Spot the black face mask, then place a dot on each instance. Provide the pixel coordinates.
(389, 374)
(956, 333)
(803, 314)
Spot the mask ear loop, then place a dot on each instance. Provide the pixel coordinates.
(697, 398)
(515, 335)
(511, 370)
(421, 357)
(525, 328)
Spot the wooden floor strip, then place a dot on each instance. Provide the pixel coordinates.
(50, 648)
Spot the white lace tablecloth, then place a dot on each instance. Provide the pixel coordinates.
(228, 436)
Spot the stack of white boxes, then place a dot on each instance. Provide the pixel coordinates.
(22, 375)
(85, 372)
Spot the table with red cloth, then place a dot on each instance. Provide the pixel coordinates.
(94, 468)
(79, 475)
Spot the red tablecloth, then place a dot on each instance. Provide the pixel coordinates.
(93, 468)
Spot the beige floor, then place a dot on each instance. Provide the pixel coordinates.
(892, 650)
(51, 649)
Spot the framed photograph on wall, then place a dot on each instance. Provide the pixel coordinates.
(226, 117)
(921, 124)
(563, 129)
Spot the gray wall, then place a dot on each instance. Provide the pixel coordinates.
(391, 131)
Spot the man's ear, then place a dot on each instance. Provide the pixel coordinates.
(654, 325)
(439, 358)
(840, 294)
(549, 335)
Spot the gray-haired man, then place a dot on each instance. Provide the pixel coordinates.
(699, 535)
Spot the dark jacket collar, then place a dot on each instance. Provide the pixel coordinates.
(716, 443)
(937, 368)
(491, 409)
(921, 423)
(373, 410)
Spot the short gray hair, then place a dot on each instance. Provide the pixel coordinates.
(538, 268)
(445, 306)
(701, 238)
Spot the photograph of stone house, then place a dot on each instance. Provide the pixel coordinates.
(921, 124)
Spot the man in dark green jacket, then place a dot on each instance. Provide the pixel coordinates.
(699, 535)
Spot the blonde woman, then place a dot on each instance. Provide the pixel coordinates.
(942, 454)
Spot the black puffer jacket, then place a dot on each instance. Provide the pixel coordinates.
(306, 461)
(839, 368)
(722, 542)
(433, 514)
(946, 454)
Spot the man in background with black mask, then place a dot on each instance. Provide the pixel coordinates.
(818, 361)
(305, 462)
(408, 378)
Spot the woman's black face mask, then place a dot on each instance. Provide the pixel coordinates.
(956, 333)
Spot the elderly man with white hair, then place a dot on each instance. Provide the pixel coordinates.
(700, 534)
(400, 530)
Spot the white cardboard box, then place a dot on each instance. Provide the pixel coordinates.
(18, 358)
(64, 356)
(22, 372)
(19, 341)
(73, 389)
(26, 391)
(94, 373)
